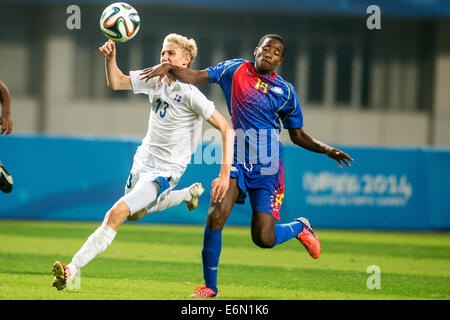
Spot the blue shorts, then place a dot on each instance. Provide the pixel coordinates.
(266, 191)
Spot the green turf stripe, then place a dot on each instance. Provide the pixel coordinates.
(381, 237)
(346, 282)
(249, 255)
(194, 236)
(393, 249)
(164, 262)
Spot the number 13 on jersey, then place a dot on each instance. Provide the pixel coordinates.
(163, 112)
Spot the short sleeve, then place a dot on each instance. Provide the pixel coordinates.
(291, 113)
(200, 104)
(140, 86)
(223, 69)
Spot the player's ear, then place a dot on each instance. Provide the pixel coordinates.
(254, 52)
(187, 59)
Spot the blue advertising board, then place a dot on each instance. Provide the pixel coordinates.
(385, 188)
(63, 178)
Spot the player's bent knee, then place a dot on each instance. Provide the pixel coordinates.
(133, 218)
(263, 239)
(262, 229)
(216, 219)
(263, 242)
(116, 215)
(138, 215)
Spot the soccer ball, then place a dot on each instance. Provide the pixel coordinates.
(120, 22)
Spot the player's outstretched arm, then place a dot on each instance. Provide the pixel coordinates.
(115, 79)
(220, 185)
(5, 116)
(183, 74)
(304, 140)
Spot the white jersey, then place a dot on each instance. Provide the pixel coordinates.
(175, 122)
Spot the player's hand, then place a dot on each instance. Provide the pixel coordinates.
(160, 70)
(6, 124)
(339, 156)
(108, 50)
(219, 188)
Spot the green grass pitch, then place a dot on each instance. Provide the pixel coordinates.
(159, 262)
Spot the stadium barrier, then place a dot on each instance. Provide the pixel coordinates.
(65, 178)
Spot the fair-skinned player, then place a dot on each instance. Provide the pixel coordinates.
(174, 127)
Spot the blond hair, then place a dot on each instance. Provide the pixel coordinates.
(188, 46)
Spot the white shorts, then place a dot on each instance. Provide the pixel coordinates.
(143, 173)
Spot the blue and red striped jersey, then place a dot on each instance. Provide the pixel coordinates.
(257, 105)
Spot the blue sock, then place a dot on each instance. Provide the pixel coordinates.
(287, 231)
(212, 245)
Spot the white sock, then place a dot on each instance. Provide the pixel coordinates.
(173, 198)
(94, 245)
